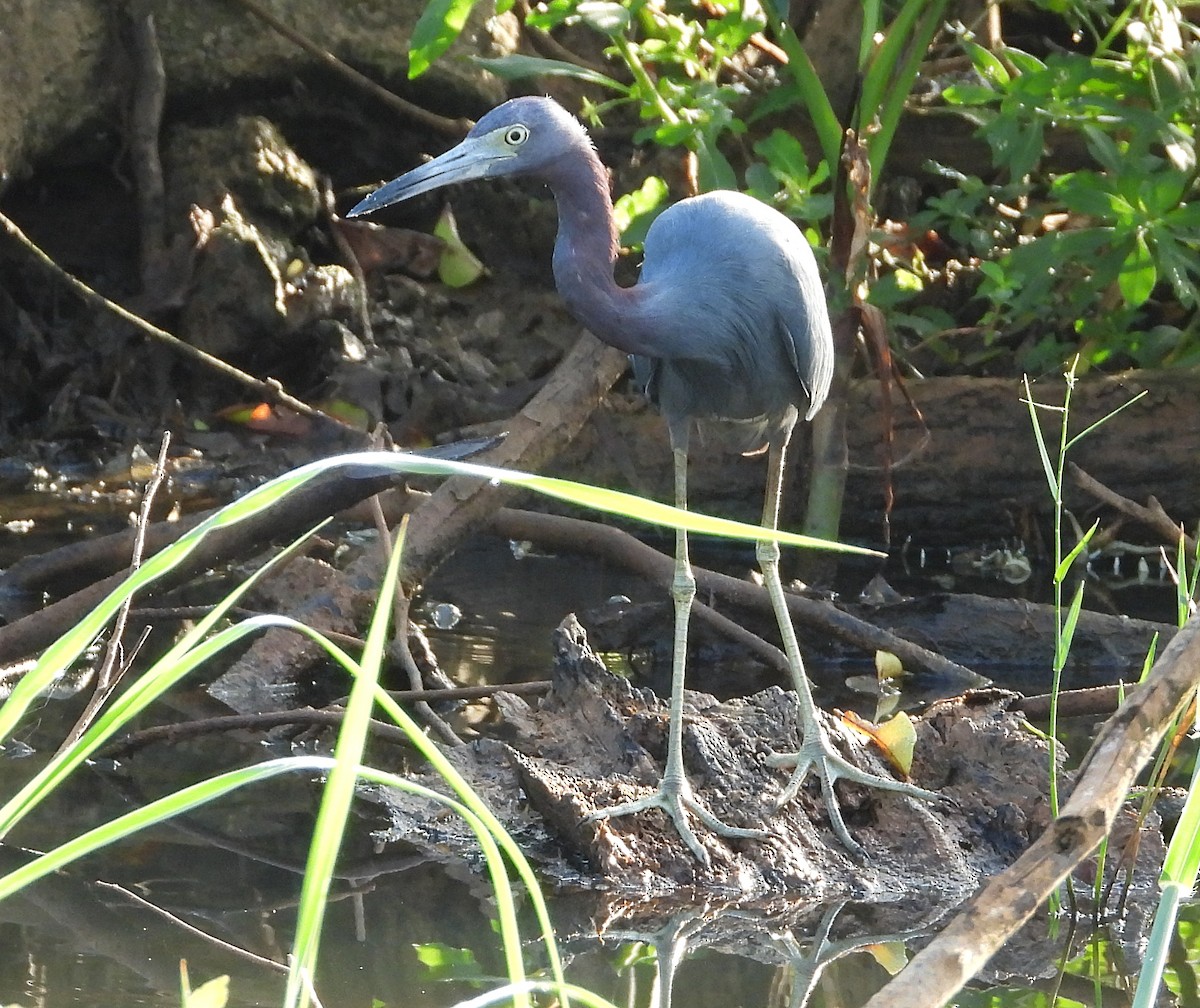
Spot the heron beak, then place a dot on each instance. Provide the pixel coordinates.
(474, 158)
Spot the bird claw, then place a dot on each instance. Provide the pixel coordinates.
(674, 799)
(818, 755)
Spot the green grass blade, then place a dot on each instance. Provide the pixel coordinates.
(1104, 419)
(1183, 856)
(890, 77)
(1158, 946)
(1178, 882)
(338, 793)
(151, 814)
(446, 770)
(1043, 452)
(186, 654)
(1060, 572)
(1062, 646)
(59, 656)
(816, 102)
(67, 649)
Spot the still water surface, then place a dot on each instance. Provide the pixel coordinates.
(232, 874)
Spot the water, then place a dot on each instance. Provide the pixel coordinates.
(233, 872)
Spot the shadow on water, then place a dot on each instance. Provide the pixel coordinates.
(112, 930)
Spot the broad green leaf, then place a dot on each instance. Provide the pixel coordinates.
(713, 170)
(440, 23)
(987, 63)
(1025, 62)
(444, 962)
(517, 66)
(635, 211)
(1086, 192)
(1138, 273)
(784, 153)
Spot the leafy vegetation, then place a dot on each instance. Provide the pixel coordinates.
(1082, 239)
(1115, 233)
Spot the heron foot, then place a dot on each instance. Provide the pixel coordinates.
(818, 755)
(676, 800)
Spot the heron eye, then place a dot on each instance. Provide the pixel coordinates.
(514, 136)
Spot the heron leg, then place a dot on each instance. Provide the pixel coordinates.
(674, 794)
(816, 752)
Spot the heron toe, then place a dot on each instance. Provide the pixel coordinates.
(817, 754)
(676, 800)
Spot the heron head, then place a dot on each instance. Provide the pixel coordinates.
(524, 136)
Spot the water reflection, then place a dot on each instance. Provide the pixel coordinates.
(71, 943)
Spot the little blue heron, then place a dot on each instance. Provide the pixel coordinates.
(728, 322)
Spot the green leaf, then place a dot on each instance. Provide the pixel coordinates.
(457, 266)
(784, 153)
(635, 211)
(1025, 62)
(212, 993)
(966, 93)
(1179, 264)
(1062, 647)
(604, 17)
(1061, 571)
(444, 962)
(517, 66)
(713, 170)
(1043, 452)
(987, 63)
(440, 23)
(1183, 856)
(1086, 192)
(1104, 149)
(1138, 273)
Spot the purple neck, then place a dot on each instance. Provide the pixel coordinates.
(585, 252)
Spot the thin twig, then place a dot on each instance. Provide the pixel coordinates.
(362, 304)
(450, 127)
(224, 946)
(1123, 746)
(1151, 515)
(269, 389)
(115, 664)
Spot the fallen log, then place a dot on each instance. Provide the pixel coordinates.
(979, 475)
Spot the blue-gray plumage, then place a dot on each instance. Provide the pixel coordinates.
(728, 321)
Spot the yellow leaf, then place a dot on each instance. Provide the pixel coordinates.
(887, 665)
(897, 737)
(890, 955)
(458, 266)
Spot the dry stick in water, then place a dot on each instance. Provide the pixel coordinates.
(110, 672)
(1125, 744)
